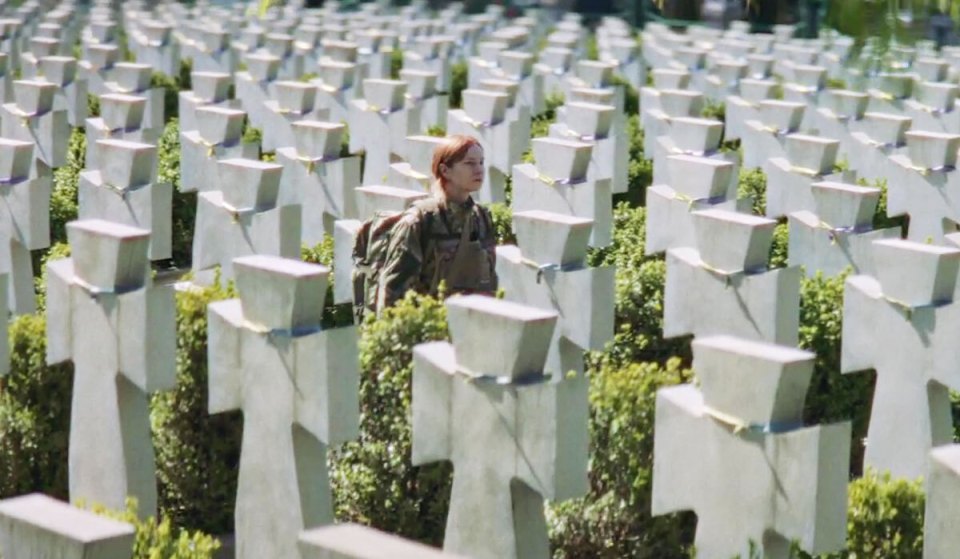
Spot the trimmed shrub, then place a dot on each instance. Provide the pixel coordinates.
(34, 414)
(753, 185)
(66, 182)
(502, 216)
(373, 479)
(458, 82)
(639, 294)
(614, 520)
(832, 396)
(153, 539)
(884, 519)
(184, 212)
(198, 454)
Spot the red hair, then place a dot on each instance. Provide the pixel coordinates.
(450, 152)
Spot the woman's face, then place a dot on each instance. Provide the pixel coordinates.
(466, 174)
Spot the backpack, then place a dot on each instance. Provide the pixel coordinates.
(370, 252)
(370, 255)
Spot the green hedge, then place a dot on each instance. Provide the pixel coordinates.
(197, 453)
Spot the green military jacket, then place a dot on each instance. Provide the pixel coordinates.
(423, 251)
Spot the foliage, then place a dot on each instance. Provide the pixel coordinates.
(184, 80)
(639, 169)
(334, 316)
(715, 110)
(396, 63)
(34, 414)
(836, 83)
(639, 293)
(251, 134)
(197, 453)
(458, 82)
(502, 216)
(779, 246)
(373, 479)
(171, 93)
(631, 97)
(155, 540)
(880, 218)
(184, 212)
(614, 519)
(832, 396)
(753, 185)
(66, 184)
(884, 518)
(436, 131)
(93, 105)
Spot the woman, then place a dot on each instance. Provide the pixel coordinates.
(446, 238)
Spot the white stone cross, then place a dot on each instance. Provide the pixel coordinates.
(124, 189)
(598, 124)
(151, 41)
(839, 234)
(218, 136)
(337, 86)
(354, 541)
(934, 107)
(809, 159)
(548, 270)
(257, 85)
(698, 183)
(293, 101)
(318, 179)
(693, 136)
(379, 126)
(415, 173)
(432, 54)
(72, 92)
(120, 332)
(298, 388)
(940, 538)
(526, 439)
(33, 118)
(764, 138)
(734, 450)
(97, 64)
(925, 184)
(121, 118)
(24, 222)
(243, 218)
(880, 136)
(209, 89)
(889, 92)
(36, 525)
(519, 66)
(903, 323)
(745, 105)
(558, 183)
(846, 115)
(131, 78)
(724, 285)
(422, 90)
(484, 117)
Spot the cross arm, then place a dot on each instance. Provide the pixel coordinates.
(553, 437)
(677, 461)
(586, 303)
(59, 311)
(434, 372)
(812, 511)
(861, 296)
(277, 231)
(224, 340)
(327, 387)
(148, 338)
